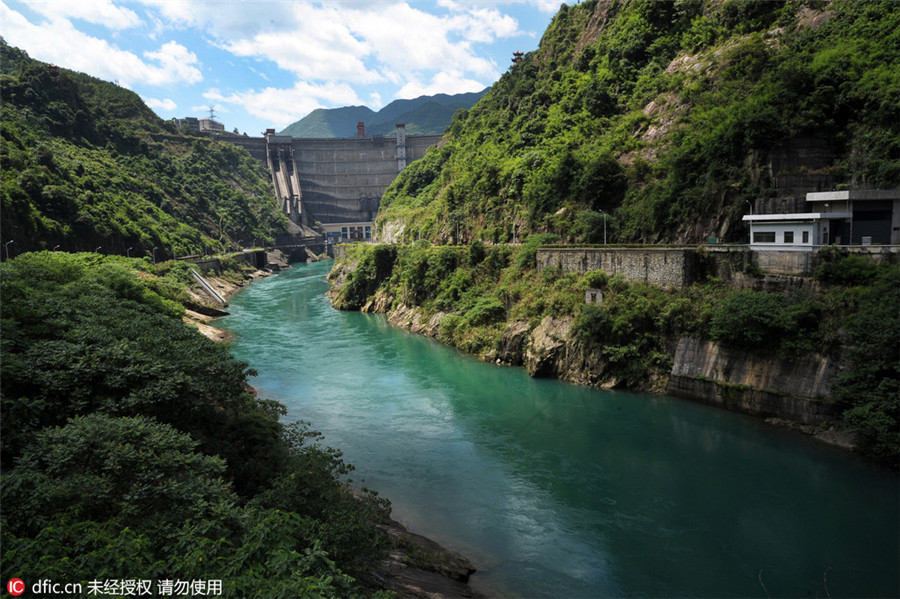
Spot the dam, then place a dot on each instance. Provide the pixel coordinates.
(335, 183)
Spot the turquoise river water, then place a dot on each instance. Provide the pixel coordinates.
(553, 490)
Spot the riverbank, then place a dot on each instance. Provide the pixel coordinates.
(414, 566)
(558, 490)
(793, 357)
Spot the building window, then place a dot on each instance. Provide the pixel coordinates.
(806, 237)
(789, 237)
(764, 237)
(368, 232)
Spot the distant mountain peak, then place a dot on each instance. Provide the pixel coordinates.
(423, 115)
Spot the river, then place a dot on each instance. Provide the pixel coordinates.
(554, 490)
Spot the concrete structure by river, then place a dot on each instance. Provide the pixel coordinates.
(337, 182)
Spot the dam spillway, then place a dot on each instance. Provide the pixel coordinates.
(334, 180)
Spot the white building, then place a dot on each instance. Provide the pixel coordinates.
(861, 217)
(347, 232)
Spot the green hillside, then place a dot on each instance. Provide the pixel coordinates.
(664, 118)
(330, 122)
(425, 115)
(85, 164)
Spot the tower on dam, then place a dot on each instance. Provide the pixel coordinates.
(335, 184)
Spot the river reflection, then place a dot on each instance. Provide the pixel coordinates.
(560, 491)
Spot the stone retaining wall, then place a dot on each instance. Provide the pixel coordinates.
(671, 267)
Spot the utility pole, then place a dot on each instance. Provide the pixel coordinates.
(604, 226)
(751, 220)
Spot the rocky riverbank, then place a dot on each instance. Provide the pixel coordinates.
(793, 393)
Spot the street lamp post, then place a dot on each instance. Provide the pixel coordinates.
(128, 252)
(6, 247)
(154, 255)
(751, 220)
(604, 226)
(55, 247)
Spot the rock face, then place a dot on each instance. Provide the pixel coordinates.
(546, 351)
(761, 385)
(418, 567)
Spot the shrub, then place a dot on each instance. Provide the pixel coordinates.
(848, 270)
(486, 310)
(526, 259)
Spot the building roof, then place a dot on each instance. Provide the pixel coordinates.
(798, 216)
(856, 194)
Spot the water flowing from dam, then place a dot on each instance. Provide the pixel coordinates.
(554, 490)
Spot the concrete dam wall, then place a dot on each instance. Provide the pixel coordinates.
(334, 180)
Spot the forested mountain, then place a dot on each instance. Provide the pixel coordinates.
(86, 164)
(665, 118)
(422, 115)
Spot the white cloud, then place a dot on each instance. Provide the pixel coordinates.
(408, 41)
(54, 40)
(361, 43)
(178, 64)
(99, 12)
(547, 6)
(441, 83)
(281, 107)
(164, 104)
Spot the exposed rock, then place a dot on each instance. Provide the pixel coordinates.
(379, 303)
(337, 278)
(512, 344)
(546, 347)
(832, 434)
(812, 18)
(761, 385)
(201, 320)
(419, 567)
(415, 320)
(389, 231)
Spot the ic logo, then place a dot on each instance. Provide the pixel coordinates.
(15, 586)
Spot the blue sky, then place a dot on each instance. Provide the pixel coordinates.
(269, 64)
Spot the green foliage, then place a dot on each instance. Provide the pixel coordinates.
(661, 114)
(870, 385)
(129, 472)
(131, 447)
(86, 164)
(486, 310)
(527, 256)
(760, 319)
(844, 269)
(372, 268)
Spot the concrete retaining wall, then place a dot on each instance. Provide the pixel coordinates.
(672, 267)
